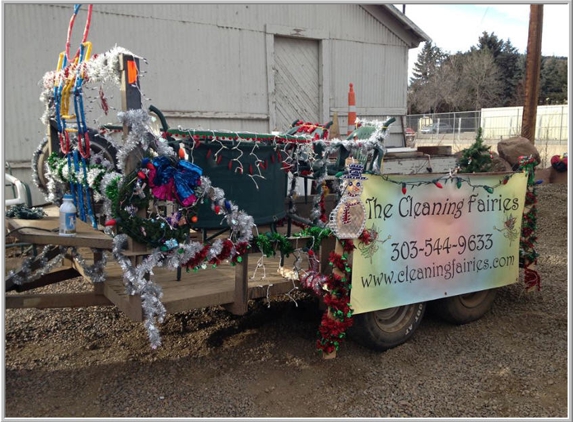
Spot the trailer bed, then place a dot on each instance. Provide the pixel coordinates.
(227, 285)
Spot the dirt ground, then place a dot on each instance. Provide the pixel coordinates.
(94, 362)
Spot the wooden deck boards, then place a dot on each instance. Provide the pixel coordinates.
(222, 285)
(197, 289)
(45, 232)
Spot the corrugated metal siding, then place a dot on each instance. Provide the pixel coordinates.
(207, 63)
(344, 21)
(379, 75)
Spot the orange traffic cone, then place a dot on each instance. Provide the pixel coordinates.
(351, 110)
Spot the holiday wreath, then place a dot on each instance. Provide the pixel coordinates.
(160, 178)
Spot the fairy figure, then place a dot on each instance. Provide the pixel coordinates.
(508, 229)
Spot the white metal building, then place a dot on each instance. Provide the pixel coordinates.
(250, 67)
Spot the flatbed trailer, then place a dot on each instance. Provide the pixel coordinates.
(398, 235)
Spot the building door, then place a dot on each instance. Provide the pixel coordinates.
(297, 82)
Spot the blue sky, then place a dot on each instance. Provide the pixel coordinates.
(457, 27)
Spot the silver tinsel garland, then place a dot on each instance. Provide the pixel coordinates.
(99, 69)
(95, 272)
(46, 266)
(138, 281)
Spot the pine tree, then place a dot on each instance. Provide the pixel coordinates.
(476, 158)
(553, 83)
(507, 60)
(512, 69)
(491, 43)
(429, 60)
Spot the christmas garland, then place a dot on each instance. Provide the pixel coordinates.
(338, 317)
(157, 179)
(269, 243)
(527, 253)
(27, 275)
(61, 171)
(334, 288)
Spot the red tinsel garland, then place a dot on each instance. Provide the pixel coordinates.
(527, 252)
(198, 258)
(338, 317)
(241, 250)
(226, 252)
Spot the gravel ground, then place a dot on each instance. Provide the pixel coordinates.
(94, 362)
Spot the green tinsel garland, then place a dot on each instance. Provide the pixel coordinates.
(270, 243)
(318, 234)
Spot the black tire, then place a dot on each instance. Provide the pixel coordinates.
(466, 308)
(388, 328)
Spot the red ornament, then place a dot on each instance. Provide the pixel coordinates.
(110, 223)
(141, 175)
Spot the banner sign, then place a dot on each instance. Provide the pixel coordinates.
(434, 237)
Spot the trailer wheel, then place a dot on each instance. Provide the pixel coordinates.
(38, 160)
(464, 308)
(97, 144)
(388, 328)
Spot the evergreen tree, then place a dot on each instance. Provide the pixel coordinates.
(553, 83)
(511, 65)
(491, 43)
(510, 69)
(489, 74)
(428, 62)
(476, 158)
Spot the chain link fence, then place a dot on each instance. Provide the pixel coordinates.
(460, 129)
